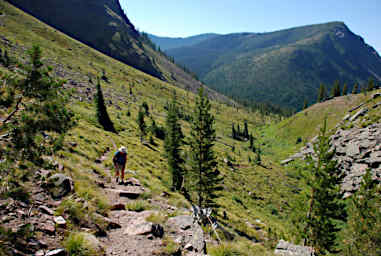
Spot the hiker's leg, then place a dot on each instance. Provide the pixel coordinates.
(122, 170)
(116, 170)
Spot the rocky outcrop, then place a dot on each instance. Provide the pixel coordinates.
(288, 249)
(188, 234)
(59, 185)
(357, 150)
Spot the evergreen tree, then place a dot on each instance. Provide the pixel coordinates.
(146, 108)
(251, 139)
(370, 85)
(6, 59)
(345, 89)
(363, 90)
(258, 158)
(322, 93)
(141, 124)
(355, 88)
(325, 207)
(336, 91)
(246, 131)
(305, 105)
(363, 236)
(203, 163)
(38, 127)
(234, 133)
(101, 111)
(172, 145)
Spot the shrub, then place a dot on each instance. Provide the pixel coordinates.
(138, 206)
(157, 218)
(73, 209)
(77, 245)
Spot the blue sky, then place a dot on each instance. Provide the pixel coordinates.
(181, 18)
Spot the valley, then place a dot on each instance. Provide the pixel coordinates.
(91, 214)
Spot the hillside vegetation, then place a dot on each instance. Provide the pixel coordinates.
(258, 193)
(104, 26)
(79, 65)
(284, 67)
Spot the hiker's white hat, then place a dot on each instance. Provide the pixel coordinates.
(123, 149)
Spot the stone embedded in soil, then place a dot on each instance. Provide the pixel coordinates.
(46, 210)
(48, 228)
(133, 182)
(56, 252)
(60, 221)
(59, 185)
(131, 194)
(140, 229)
(287, 249)
(118, 207)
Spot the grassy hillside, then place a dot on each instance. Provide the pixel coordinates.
(255, 199)
(283, 67)
(104, 26)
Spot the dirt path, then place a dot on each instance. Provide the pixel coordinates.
(134, 237)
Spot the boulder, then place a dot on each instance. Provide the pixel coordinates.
(375, 159)
(286, 161)
(132, 182)
(346, 117)
(288, 249)
(143, 228)
(60, 221)
(56, 252)
(109, 223)
(59, 185)
(93, 244)
(361, 112)
(46, 210)
(376, 95)
(130, 193)
(118, 207)
(189, 233)
(352, 149)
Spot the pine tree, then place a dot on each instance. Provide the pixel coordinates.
(305, 105)
(325, 207)
(336, 91)
(44, 110)
(102, 115)
(345, 89)
(363, 236)
(203, 163)
(234, 133)
(355, 88)
(258, 158)
(246, 131)
(251, 139)
(141, 123)
(172, 145)
(370, 85)
(322, 93)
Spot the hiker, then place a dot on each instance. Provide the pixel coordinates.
(119, 160)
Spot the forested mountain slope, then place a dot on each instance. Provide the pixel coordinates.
(284, 67)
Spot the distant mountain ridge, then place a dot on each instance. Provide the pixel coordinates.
(284, 67)
(167, 43)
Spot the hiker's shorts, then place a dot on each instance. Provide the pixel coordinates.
(119, 167)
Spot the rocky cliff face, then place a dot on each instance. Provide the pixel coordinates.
(100, 24)
(357, 149)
